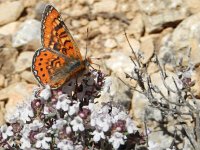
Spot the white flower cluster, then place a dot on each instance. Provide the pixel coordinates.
(56, 121)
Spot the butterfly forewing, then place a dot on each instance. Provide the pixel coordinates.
(56, 36)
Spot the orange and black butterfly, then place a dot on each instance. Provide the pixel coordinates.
(59, 59)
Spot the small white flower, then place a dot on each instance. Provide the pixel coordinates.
(46, 93)
(117, 139)
(173, 148)
(25, 113)
(115, 111)
(36, 124)
(74, 108)
(59, 124)
(120, 116)
(131, 127)
(77, 124)
(25, 143)
(63, 102)
(98, 135)
(25, 131)
(101, 120)
(6, 131)
(78, 147)
(68, 130)
(42, 141)
(65, 145)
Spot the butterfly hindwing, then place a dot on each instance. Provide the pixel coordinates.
(45, 65)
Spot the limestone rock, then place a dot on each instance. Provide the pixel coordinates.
(24, 61)
(110, 43)
(9, 29)
(157, 14)
(10, 11)
(29, 31)
(15, 94)
(104, 6)
(187, 35)
(28, 76)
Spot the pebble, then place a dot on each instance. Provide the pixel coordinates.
(32, 27)
(104, 6)
(24, 61)
(10, 28)
(2, 80)
(10, 11)
(110, 43)
(28, 76)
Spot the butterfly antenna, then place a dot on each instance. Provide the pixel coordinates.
(86, 44)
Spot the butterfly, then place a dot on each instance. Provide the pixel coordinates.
(59, 59)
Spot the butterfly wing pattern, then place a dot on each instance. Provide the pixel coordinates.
(59, 58)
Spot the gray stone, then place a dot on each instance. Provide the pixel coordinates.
(115, 90)
(2, 80)
(110, 43)
(8, 60)
(157, 14)
(10, 11)
(159, 140)
(16, 93)
(28, 76)
(147, 48)
(104, 6)
(9, 29)
(136, 26)
(187, 35)
(24, 61)
(29, 31)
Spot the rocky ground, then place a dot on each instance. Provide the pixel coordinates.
(167, 28)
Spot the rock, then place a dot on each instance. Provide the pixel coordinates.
(186, 35)
(136, 26)
(11, 11)
(28, 76)
(196, 77)
(140, 104)
(78, 11)
(110, 43)
(159, 140)
(147, 48)
(24, 61)
(119, 63)
(39, 9)
(93, 24)
(15, 93)
(2, 80)
(152, 68)
(193, 6)
(116, 90)
(2, 111)
(9, 29)
(140, 109)
(159, 14)
(8, 60)
(104, 29)
(104, 6)
(32, 27)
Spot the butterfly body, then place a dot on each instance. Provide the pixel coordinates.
(59, 59)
